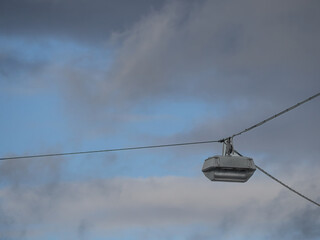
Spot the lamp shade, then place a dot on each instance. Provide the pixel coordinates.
(228, 168)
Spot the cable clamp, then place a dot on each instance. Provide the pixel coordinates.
(227, 148)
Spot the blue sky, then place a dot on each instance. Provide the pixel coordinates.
(116, 74)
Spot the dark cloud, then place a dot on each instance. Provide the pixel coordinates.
(247, 53)
(81, 20)
(220, 50)
(209, 50)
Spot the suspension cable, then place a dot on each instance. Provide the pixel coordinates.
(163, 145)
(283, 184)
(275, 116)
(109, 150)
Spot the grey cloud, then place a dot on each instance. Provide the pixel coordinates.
(306, 220)
(218, 49)
(80, 20)
(210, 50)
(8, 228)
(230, 52)
(116, 204)
(214, 51)
(19, 174)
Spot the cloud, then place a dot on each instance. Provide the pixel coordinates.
(249, 57)
(243, 61)
(218, 50)
(19, 174)
(84, 21)
(122, 203)
(245, 55)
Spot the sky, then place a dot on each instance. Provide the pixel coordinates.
(90, 75)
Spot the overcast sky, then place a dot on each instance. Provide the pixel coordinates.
(88, 75)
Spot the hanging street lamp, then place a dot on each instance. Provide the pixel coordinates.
(228, 167)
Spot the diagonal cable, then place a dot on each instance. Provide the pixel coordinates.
(276, 115)
(283, 184)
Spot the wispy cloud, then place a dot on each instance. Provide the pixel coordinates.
(121, 203)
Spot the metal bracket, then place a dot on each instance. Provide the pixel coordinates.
(227, 148)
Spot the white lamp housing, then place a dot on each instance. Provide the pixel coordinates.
(228, 168)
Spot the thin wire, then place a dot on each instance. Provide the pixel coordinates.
(283, 184)
(164, 145)
(276, 115)
(109, 150)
